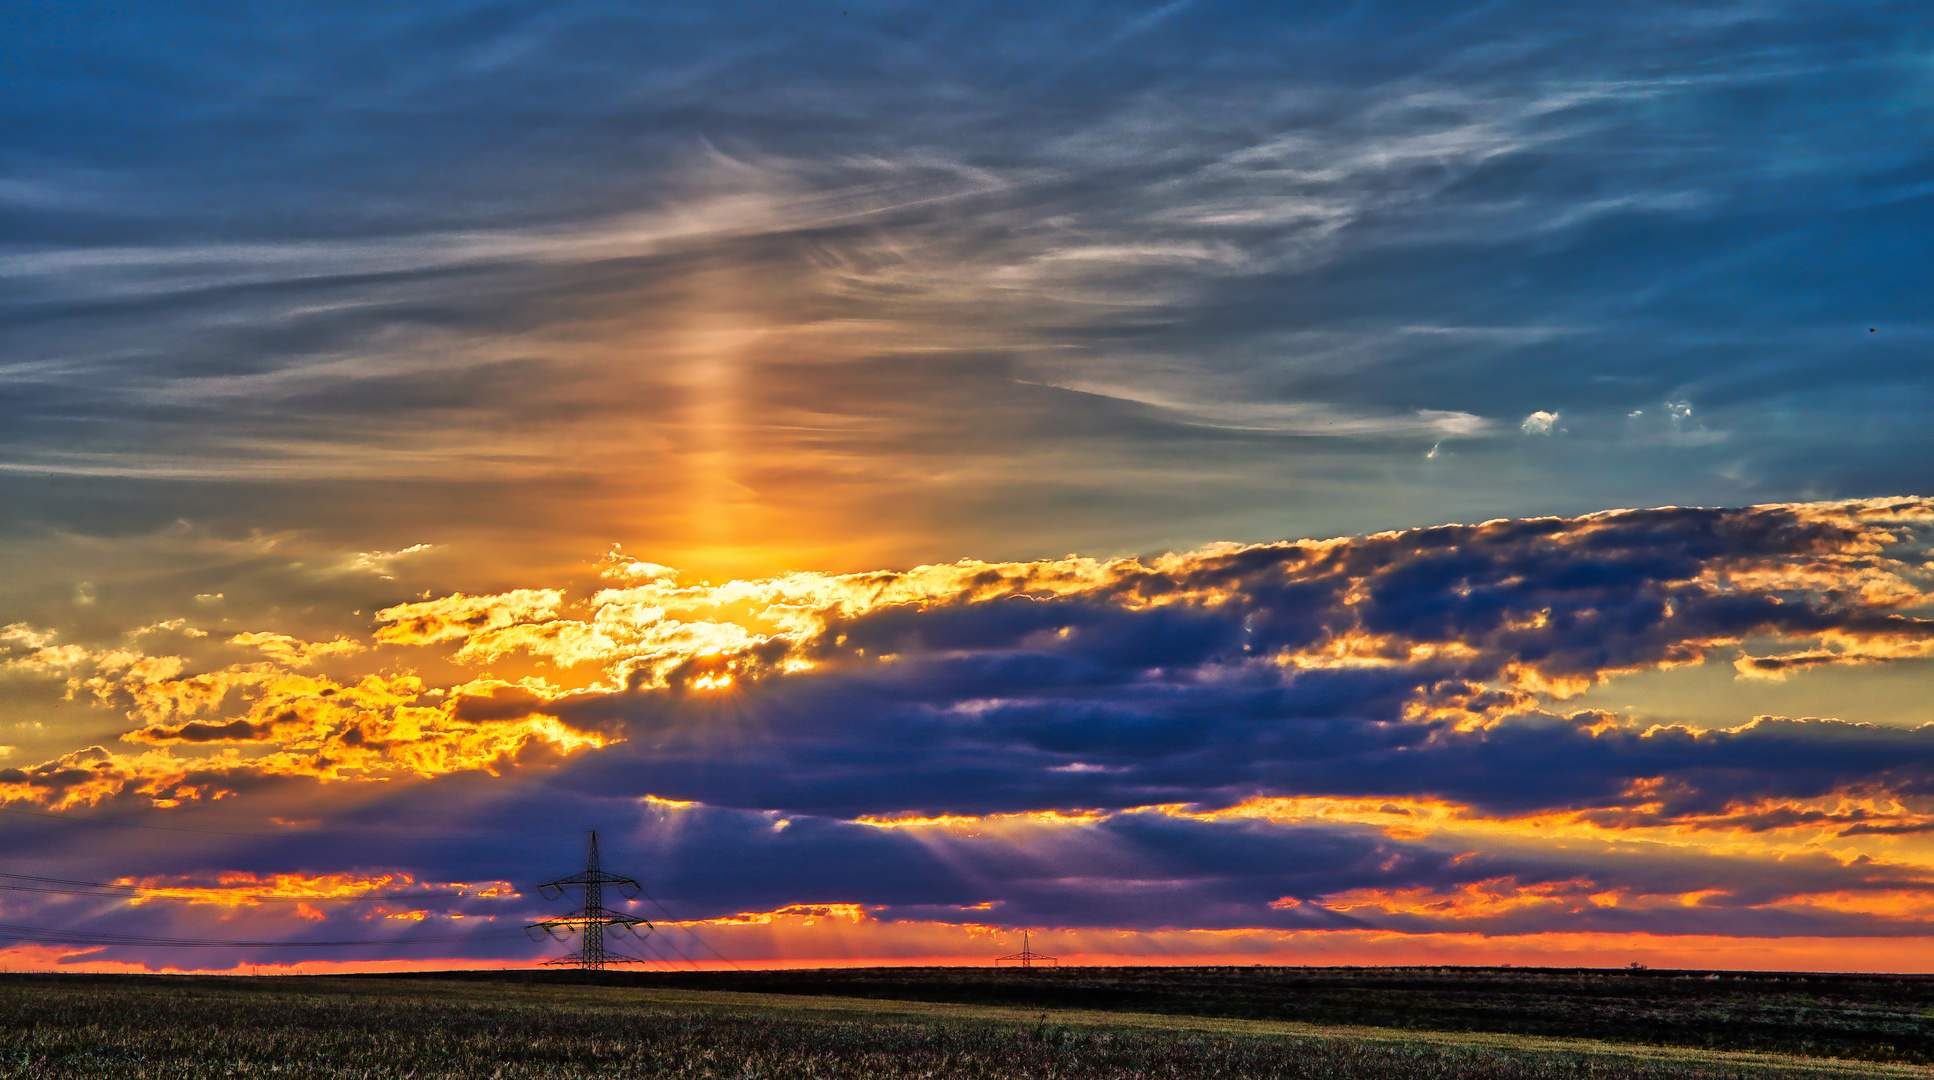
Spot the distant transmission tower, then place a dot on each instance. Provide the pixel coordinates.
(592, 920)
(1026, 958)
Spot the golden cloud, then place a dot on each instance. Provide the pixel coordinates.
(1830, 584)
(645, 627)
(377, 728)
(295, 652)
(1490, 898)
(460, 616)
(236, 889)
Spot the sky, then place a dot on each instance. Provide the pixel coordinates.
(1199, 482)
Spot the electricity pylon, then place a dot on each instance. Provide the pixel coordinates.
(593, 919)
(1026, 958)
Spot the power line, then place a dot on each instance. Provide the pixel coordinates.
(673, 919)
(658, 955)
(677, 954)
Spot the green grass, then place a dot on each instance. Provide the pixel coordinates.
(81, 1026)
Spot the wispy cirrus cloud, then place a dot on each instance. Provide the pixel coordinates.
(1230, 226)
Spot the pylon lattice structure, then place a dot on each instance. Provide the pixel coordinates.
(592, 922)
(1027, 957)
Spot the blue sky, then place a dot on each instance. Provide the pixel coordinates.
(1199, 257)
(311, 311)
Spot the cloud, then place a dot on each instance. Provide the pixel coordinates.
(1129, 235)
(1298, 418)
(1544, 605)
(460, 616)
(1539, 423)
(1322, 736)
(372, 728)
(27, 648)
(1419, 662)
(293, 651)
(378, 562)
(788, 325)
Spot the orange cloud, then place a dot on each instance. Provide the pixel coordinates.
(238, 890)
(375, 729)
(646, 630)
(295, 652)
(459, 616)
(986, 823)
(803, 914)
(1474, 900)
(648, 624)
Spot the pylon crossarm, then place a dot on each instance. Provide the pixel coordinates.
(606, 914)
(591, 878)
(595, 920)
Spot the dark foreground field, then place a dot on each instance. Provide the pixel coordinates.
(1873, 1017)
(86, 1026)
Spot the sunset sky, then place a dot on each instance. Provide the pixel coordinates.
(1200, 482)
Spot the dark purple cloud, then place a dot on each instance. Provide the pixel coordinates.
(1168, 718)
(1414, 663)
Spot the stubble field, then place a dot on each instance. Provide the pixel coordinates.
(106, 1026)
(1872, 1017)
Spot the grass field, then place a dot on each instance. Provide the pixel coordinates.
(109, 1026)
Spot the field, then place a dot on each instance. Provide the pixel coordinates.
(507, 1029)
(1875, 1017)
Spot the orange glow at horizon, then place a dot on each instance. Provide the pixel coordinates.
(938, 945)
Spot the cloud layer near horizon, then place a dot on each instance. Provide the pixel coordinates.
(1350, 735)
